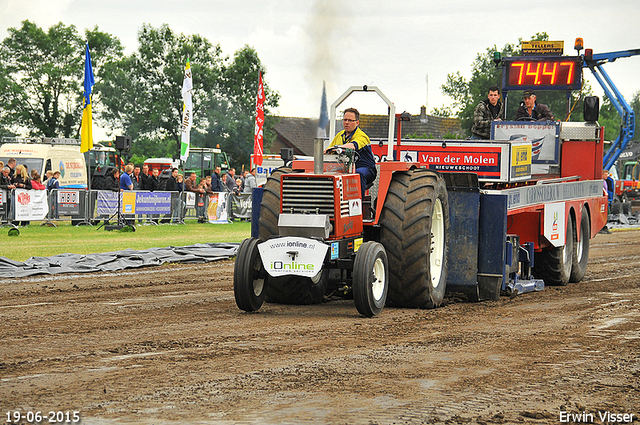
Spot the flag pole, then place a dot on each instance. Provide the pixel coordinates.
(86, 125)
(187, 112)
(258, 140)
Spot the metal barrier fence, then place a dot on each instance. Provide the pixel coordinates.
(84, 207)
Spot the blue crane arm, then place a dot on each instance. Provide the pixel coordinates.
(612, 56)
(617, 100)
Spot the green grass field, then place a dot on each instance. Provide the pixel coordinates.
(41, 241)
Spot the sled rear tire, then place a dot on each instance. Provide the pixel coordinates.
(580, 256)
(553, 265)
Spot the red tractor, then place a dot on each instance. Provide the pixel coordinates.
(315, 228)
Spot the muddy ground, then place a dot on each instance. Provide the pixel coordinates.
(168, 344)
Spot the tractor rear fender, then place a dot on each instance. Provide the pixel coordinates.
(384, 177)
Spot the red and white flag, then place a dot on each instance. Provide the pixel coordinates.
(258, 135)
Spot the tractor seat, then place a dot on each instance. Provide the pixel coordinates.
(369, 201)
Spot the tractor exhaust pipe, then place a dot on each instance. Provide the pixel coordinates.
(318, 156)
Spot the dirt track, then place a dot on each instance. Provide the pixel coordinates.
(168, 345)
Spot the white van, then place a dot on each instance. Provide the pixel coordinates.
(48, 154)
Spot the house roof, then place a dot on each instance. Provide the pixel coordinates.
(300, 133)
(420, 126)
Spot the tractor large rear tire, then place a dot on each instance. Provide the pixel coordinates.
(270, 206)
(414, 231)
(581, 248)
(553, 265)
(297, 290)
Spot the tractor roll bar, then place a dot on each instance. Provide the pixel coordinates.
(346, 94)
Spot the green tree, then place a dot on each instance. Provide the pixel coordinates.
(232, 118)
(635, 105)
(444, 112)
(142, 93)
(41, 71)
(41, 76)
(466, 94)
(609, 119)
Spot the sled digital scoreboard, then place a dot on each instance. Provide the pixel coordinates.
(542, 73)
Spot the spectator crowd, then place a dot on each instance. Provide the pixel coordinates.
(17, 176)
(139, 178)
(135, 177)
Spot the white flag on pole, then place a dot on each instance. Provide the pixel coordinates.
(187, 112)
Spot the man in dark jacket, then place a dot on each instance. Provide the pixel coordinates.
(5, 179)
(136, 179)
(176, 202)
(231, 181)
(53, 183)
(216, 183)
(153, 182)
(6, 184)
(12, 166)
(489, 110)
(532, 110)
(113, 182)
(172, 182)
(144, 176)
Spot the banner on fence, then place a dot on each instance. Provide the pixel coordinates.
(30, 204)
(3, 206)
(68, 202)
(134, 203)
(241, 206)
(107, 202)
(217, 210)
(153, 203)
(191, 199)
(128, 202)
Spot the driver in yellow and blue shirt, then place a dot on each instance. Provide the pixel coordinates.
(352, 137)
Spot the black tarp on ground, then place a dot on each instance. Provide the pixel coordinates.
(623, 220)
(117, 260)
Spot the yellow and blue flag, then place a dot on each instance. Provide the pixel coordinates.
(86, 129)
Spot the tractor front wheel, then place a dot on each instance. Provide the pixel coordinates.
(249, 277)
(370, 279)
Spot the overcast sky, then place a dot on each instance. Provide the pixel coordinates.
(394, 45)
